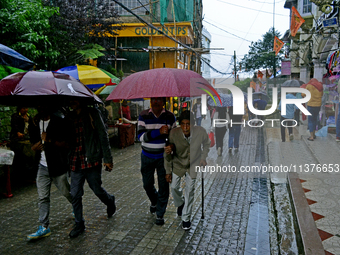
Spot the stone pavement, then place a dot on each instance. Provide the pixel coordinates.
(233, 206)
(317, 166)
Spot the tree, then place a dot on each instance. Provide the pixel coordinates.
(82, 29)
(261, 55)
(24, 26)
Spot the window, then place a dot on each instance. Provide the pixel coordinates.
(133, 5)
(307, 6)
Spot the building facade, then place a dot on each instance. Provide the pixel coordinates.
(178, 23)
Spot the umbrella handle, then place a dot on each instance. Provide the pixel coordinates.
(202, 217)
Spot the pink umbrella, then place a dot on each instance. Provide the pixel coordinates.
(43, 88)
(161, 82)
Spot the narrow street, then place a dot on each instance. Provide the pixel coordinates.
(228, 203)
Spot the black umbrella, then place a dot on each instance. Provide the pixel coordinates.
(10, 57)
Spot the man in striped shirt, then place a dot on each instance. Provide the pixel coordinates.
(153, 129)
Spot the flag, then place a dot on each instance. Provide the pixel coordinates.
(278, 44)
(268, 74)
(259, 74)
(295, 22)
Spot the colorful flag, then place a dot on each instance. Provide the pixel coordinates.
(268, 74)
(278, 44)
(259, 74)
(295, 22)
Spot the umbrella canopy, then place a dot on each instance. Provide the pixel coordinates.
(91, 76)
(7, 70)
(257, 95)
(227, 100)
(43, 88)
(161, 82)
(292, 83)
(10, 57)
(107, 90)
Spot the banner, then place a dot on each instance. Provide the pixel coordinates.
(259, 74)
(278, 44)
(295, 22)
(253, 84)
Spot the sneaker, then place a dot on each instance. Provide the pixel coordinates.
(78, 229)
(153, 208)
(291, 137)
(219, 151)
(160, 221)
(337, 139)
(180, 209)
(186, 225)
(230, 150)
(236, 150)
(111, 209)
(42, 232)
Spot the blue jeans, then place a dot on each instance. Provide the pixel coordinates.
(93, 176)
(198, 121)
(234, 136)
(313, 119)
(338, 125)
(160, 197)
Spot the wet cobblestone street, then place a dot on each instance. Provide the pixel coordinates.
(132, 229)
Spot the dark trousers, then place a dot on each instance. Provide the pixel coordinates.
(283, 129)
(93, 176)
(219, 136)
(160, 197)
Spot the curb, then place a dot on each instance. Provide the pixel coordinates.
(311, 240)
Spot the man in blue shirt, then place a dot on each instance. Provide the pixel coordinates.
(290, 109)
(153, 129)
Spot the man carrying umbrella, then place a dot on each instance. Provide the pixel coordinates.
(153, 129)
(190, 149)
(90, 145)
(49, 136)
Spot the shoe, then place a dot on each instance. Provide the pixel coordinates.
(337, 139)
(180, 209)
(219, 151)
(186, 225)
(78, 229)
(230, 150)
(111, 209)
(153, 208)
(236, 150)
(291, 137)
(160, 221)
(310, 139)
(42, 232)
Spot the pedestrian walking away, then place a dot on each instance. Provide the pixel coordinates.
(313, 106)
(50, 137)
(234, 129)
(220, 128)
(188, 149)
(290, 113)
(154, 125)
(197, 112)
(89, 146)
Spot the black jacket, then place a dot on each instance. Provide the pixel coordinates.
(56, 151)
(96, 139)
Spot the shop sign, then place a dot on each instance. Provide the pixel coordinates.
(147, 31)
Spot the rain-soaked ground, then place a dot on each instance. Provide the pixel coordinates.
(235, 208)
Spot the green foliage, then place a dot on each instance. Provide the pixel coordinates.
(91, 51)
(24, 25)
(120, 74)
(243, 85)
(261, 55)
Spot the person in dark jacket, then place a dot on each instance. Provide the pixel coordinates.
(89, 146)
(49, 137)
(24, 157)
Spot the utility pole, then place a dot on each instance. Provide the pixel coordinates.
(235, 68)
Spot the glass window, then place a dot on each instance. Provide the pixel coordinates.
(307, 6)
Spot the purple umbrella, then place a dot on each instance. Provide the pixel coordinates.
(43, 88)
